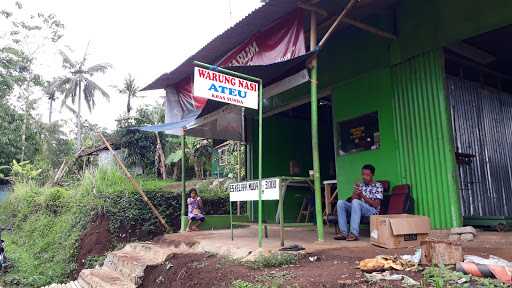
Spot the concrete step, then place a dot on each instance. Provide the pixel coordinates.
(72, 284)
(125, 268)
(132, 260)
(102, 278)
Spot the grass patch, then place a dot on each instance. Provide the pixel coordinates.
(275, 278)
(245, 284)
(279, 259)
(155, 184)
(93, 261)
(441, 277)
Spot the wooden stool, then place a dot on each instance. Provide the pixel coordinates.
(305, 209)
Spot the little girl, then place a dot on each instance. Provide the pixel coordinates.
(194, 210)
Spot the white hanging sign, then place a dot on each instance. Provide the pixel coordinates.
(248, 191)
(225, 88)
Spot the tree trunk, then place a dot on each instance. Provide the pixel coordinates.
(50, 112)
(197, 170)
(128, 105)
(78, 118)
(176, 172)
(25, 125)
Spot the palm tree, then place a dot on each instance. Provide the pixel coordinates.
(77, 83)
(51, 94)
(130, 89)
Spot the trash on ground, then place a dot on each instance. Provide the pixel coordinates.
(494, 267)
(493, 260)
(314, 258)
(292, 247)
(378, 276)
(383, 263)
(416, 257)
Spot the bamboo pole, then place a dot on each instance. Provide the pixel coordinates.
(136, 185)
(314, 131)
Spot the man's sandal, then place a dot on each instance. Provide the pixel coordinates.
(352, 237)
(340, 237)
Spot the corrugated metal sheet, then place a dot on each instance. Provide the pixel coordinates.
(422, 127)
(257, 20)
(482, 118)
(219, 46)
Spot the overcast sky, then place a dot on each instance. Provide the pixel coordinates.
(144, 38)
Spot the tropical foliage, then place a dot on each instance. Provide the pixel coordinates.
(130, 89)
(77, 84)
(47, 222)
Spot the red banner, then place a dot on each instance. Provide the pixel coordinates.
(282, 41)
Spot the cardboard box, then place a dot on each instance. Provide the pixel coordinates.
(398, 231)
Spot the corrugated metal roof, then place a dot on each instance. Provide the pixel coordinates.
(258, 19)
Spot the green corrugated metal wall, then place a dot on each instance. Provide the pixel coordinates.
(425, 152)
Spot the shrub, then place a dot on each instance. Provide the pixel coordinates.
(47, 222)
(45, 234)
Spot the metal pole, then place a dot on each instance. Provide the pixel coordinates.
(314, 132)
(282, 188)
(260, 164)
(231, 220)
(238, 177)
(226, 71)
(260, 136)
(183, 183)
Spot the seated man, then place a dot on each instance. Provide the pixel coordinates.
(366, 199)
(195, 204)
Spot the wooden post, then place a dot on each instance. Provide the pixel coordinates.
(136, 186)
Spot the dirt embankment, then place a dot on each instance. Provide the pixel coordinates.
(94, 241)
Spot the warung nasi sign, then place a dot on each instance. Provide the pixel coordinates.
(221, 87)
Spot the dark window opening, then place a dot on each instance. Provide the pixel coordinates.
(359, 134)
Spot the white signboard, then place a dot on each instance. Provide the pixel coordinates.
(248, 191)
(224, 88)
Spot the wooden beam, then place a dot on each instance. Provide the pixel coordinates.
(337, 22)
(360, 25)
(312, 8)
(368, 28)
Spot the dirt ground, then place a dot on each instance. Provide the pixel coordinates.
(336, 268)
(95, 241)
